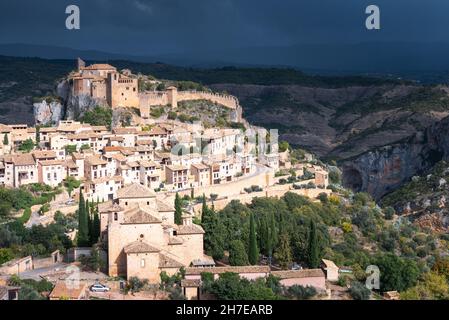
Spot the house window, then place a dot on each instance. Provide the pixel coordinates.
(148, 203)
(115, 216)
(142, 263)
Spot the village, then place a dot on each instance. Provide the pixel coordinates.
(135, 174)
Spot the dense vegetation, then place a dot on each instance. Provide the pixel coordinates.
(231, 287)
(351, 231)
(419, 99)
(99, 116)
(431, 186)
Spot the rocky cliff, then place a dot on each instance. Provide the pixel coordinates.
(379, 134)
(385, 169)
(67, 105)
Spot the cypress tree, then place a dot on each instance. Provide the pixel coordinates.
(205, 213)
(312, 252)
(178, 210)
(5, 139)
(253, 254)
(83, 227)
(89, 221)
(96, 226)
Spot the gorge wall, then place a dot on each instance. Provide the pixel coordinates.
(385, 169)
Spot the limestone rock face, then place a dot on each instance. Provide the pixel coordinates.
(47, 112)
(77, 105)
(384, 169)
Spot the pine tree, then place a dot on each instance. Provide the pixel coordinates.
(5, 139)
(312, 250)
(283, 252)
(253, 254)
(178, 210)
(83, 227)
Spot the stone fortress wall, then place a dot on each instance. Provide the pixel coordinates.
(172, 96)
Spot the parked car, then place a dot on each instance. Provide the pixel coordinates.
(70, 202)
(98, 287)
(296, 266)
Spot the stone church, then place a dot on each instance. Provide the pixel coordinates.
(142, 238)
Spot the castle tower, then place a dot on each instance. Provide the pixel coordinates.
(172, 96)
(80, 64)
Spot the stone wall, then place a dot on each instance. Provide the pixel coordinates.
(274, 191)
(172, 97)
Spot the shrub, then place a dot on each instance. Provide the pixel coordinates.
(301, 293)
(135, 284)
(358, 291)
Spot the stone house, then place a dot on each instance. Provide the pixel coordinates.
(141, 236)
(177, 176)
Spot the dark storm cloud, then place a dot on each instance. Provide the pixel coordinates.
(156, 26)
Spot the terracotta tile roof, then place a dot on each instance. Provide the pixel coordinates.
(147, 164)
(4, 128)
(99, 128)
(61, 291)
(51, 162)
(77, 156)
(135, 191)
(190, 229)
(131, 130)
(119, 157)
(144, 142)
(305, 273)
(133, 164)
(95, 161)
(50, 129)
(167, 262)
(176, 168)
(139, 216)
(106, 179)
(99, 66)
(115, 138)
(175, 241)
(139, 247)
(200, 166)
(112, 149)
(23, 160)
(157, 131)
(43, 154)
(163, 206)
(70, 164)
(109, 206)
(236, 269)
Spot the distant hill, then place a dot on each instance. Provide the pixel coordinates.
(420, 61)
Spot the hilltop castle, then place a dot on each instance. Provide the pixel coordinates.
(105, 84)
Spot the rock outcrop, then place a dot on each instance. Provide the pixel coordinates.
(384, 169)
(47, 113)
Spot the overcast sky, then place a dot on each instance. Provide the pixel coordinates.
(146, 27)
